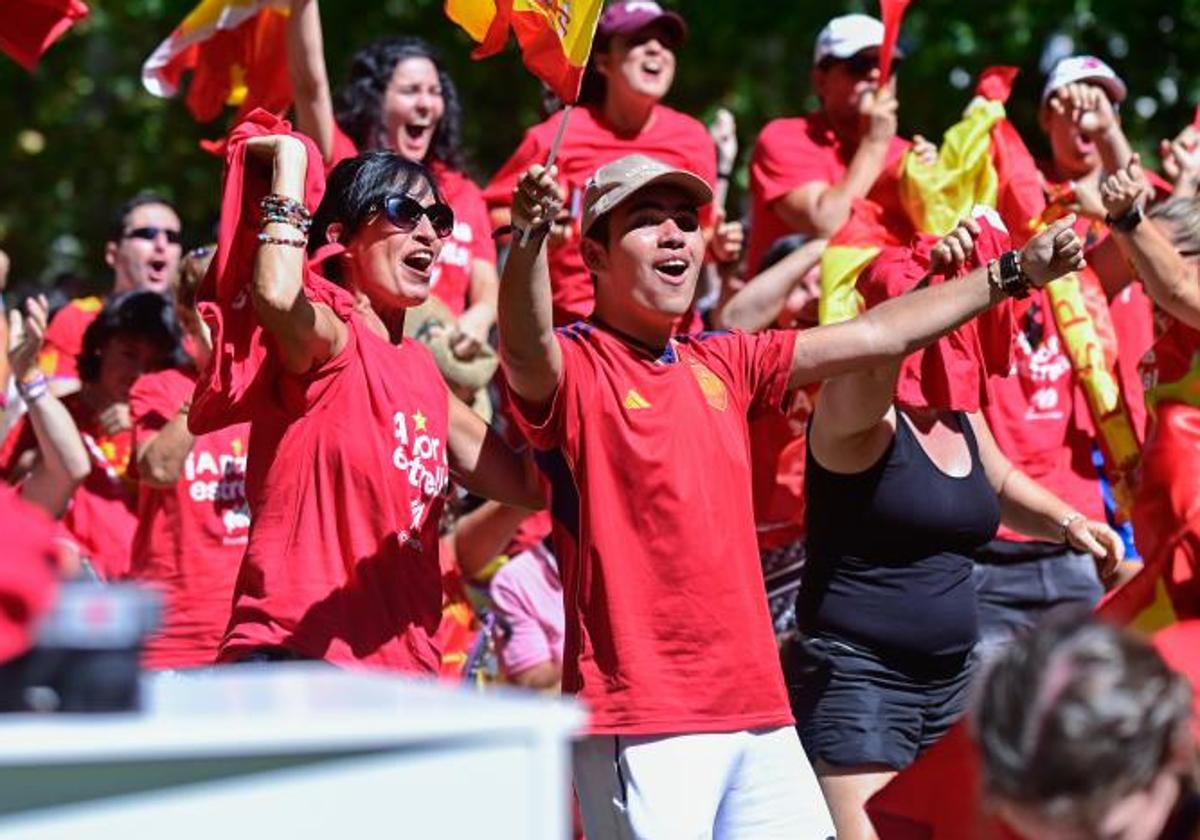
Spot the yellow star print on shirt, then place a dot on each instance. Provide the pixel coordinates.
(419, 420)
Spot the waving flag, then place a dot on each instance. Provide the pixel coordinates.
(236, 51)
(555, 36)
(29, 27)
(892, 12)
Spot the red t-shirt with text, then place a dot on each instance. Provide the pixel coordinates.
(648, 456)
(191, 536)
(670, 136)
(472, 236)
(346, 480)
(794, 151)
(1039, 416)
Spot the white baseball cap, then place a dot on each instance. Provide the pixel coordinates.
(1084, 68)
(844, 36)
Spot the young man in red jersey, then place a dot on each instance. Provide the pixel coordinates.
(644, 437)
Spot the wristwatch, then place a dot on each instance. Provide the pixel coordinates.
(1126, 223)
(1010, 278)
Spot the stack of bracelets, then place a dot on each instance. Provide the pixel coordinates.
(281, 210)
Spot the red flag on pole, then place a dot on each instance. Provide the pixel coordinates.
(892, 12)
(29, 27)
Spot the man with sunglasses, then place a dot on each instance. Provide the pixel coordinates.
(644, 437)
(807, 171)
(143, 250)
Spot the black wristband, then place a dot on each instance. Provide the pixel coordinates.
(1127, 222)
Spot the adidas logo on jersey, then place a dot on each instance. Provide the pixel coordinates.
(634, 400)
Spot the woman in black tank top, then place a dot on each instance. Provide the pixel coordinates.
(898, 497)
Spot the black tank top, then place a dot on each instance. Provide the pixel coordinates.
(889, 549)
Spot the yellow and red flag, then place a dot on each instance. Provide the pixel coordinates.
(29, 27)
(555, 36)
(236, 52)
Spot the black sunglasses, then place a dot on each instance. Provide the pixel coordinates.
(405, 213)
(861, 64)
(151, 233)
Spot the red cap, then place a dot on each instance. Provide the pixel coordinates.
(628, 16)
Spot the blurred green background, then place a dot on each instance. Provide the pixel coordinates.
(81, 134)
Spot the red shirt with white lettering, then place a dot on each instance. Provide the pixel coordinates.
(794, 151)
(102, 515)
(648, 455)
(191, 536)
(1039, 416)
(472, 236)
(346, 481)
(670, 136)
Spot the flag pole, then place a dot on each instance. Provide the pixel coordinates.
(558, 138)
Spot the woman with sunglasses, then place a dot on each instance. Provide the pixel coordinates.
(357, 435)
(399, 97)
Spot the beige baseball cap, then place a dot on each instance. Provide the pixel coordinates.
(615, 182)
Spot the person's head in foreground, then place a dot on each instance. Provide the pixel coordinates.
(846, 68)
(134, 333)
(642, 241)
(144, 244)
(1079, 92)
(1085, 734)
(633, 55)
(387, 214)
(400, 97)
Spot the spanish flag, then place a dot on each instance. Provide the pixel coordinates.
(236, 51)
(29, 27)
(555, 36)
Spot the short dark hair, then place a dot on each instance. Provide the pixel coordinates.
(1077, 714)
(137, 314)
(356, 189)
(358, 107)
(116, 228)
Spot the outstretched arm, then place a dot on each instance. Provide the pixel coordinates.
(899, 326)
(1169, 279)
(62, 463)
(306, 70)
(757, 305)
(529, 352)
(306, 333)
(483, 462)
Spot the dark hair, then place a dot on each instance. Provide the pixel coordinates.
(355, 190)
(1077, 714)
(139, 315)
(116, 228)
(358, 107)
(780, 249)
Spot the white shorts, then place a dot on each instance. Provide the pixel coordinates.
(753, 784)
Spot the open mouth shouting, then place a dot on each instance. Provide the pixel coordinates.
(672, 270)
(416, 136)
(420, 262)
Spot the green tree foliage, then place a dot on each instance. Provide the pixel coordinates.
(80, 134)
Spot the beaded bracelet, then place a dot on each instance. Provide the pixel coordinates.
(267, 239)
(32, 388)
(273, 217)
(283, 210)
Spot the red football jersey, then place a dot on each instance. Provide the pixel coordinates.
(674, 138)
(190, 537)
(794, 151)
(346, 481)
(649, 460)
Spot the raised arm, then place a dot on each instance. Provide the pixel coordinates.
(757, 305)
(306, 70)
(1029, 508)
(306, 333)
(1168, 278)
(1089, 108)
(483, 462)
(909, 322)
(529, 352)
(63, 461)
